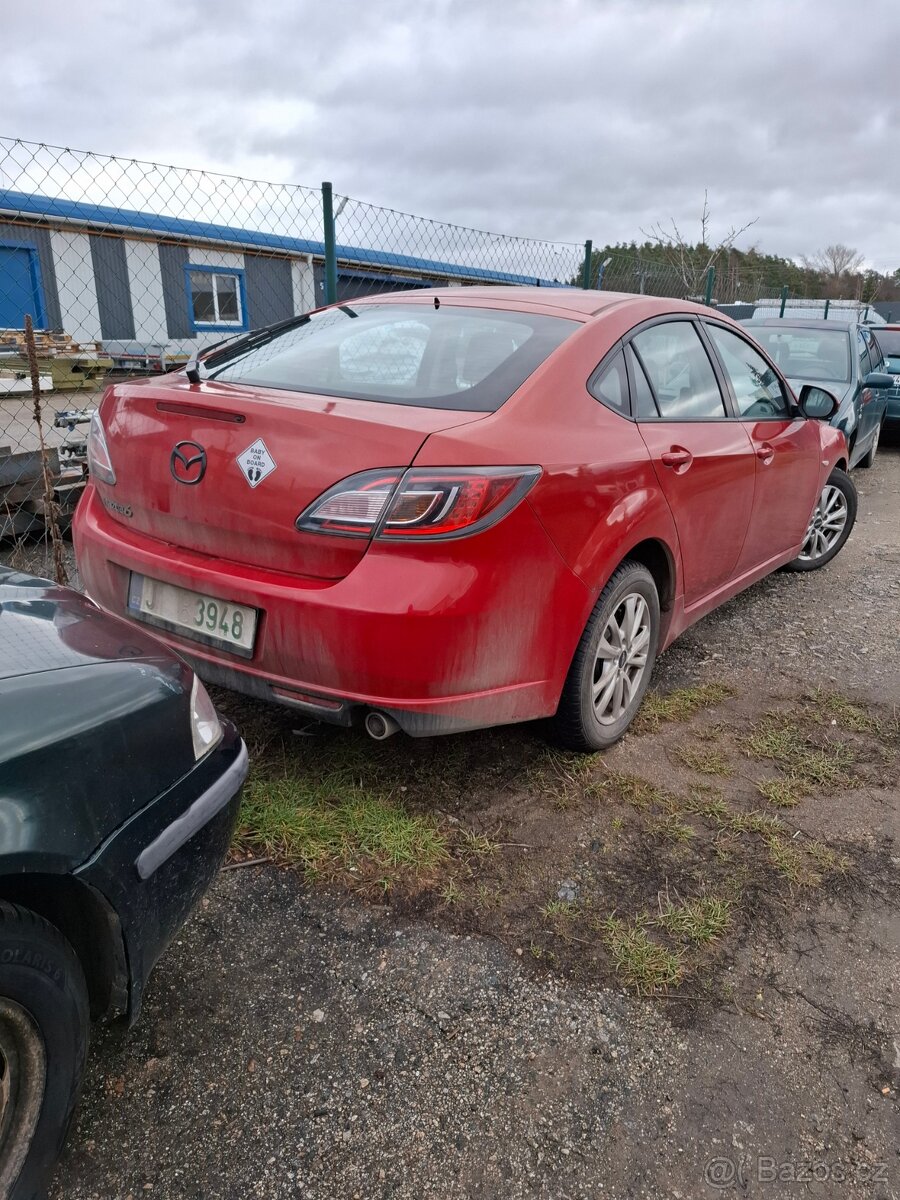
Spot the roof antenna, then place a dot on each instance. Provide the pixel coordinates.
(437, 302)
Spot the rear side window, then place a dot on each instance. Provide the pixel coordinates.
(454, 357)
(680, 372)
(609, 385)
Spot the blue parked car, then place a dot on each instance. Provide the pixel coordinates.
(888, 339)
(843, 358)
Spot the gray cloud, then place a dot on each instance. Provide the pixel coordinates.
(547, 118)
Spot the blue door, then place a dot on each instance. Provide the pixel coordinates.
(20, 287)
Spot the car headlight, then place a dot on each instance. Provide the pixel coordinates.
(206, 729)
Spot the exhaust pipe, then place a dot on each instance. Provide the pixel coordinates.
(380, 726)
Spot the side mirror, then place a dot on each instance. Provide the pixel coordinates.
(879, 379)
(816, 403)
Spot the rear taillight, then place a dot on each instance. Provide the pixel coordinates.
(99, 463)
(423, 502)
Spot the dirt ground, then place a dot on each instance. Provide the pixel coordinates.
(669, 971)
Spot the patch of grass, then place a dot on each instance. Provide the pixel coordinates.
(785, 792)
(671, 827)
(788, 860)
(617, 823)
(757, 822)
(487, 896)
(558, 908)
(330, 826)
(637, 792)
(477, 845)
(566, 778)
(706, 760)
(699, 921)
(679, 705)
(782, 739)
(641, 963)
(450, 893)
(826, 859)
(706, 802)
(833, 706)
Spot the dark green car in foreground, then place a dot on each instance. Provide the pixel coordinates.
(119, 789)
(842, 357)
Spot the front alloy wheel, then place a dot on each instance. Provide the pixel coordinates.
(830, 524)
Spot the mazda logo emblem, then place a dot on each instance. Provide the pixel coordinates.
(188, 463)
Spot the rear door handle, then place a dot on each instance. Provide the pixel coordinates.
(765, 453)
(677, 457)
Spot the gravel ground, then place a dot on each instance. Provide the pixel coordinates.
(296, 1043)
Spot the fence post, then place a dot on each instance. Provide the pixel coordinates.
(827, 306)
(710, 280)
(330, 256)
(586, 269)
(784, 296)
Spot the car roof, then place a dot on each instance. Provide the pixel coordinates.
(801, 323)
(557, 301)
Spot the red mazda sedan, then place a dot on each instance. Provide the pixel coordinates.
(435, 511)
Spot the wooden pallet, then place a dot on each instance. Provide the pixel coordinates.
(48, 343)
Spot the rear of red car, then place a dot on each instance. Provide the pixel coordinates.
(265, 514)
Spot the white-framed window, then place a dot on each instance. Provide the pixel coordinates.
(216, 297)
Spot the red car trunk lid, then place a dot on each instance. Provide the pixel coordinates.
(255, 459)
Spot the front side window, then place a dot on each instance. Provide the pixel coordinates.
(757, 389)
(215, 297)
(679, 372)
(876, 358)
(456, 357)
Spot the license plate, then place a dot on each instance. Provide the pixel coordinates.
(193, 615)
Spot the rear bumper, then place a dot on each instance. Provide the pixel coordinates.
(156, 867)
(447, 637)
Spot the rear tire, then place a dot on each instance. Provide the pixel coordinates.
(612, 665)
(830, 524)
(869, 460)
(44, 1024)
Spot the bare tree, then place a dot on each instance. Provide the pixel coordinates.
(693, 262)
(835, 261)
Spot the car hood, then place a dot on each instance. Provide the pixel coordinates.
(94, 723)
(44, 627)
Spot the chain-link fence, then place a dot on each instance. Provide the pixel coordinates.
(130, 267)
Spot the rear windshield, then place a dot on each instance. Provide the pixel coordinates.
(447, 357)
(807, 353)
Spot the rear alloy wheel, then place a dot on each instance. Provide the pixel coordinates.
(830, 524)
(612, 665)
(869, 460)
(43, 1044)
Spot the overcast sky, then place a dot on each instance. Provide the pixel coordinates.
(561, 119)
